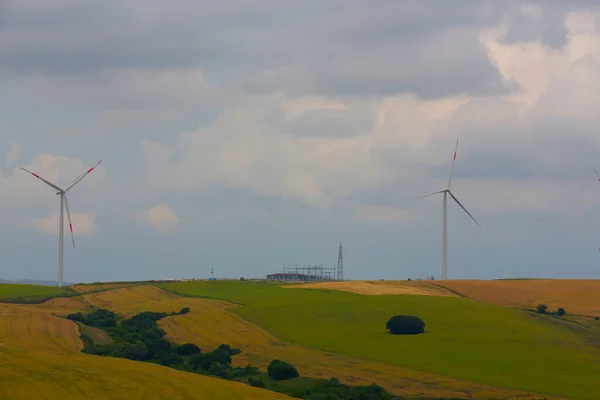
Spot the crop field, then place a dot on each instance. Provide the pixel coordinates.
(40, 358)
(380, 288)
(10, 290)
(211, 322)
(81, 377)
(574, 295)
(26, 326)
(465, 339)
(84, 288)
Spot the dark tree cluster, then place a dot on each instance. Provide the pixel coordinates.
(405, 325)
(99, 318)
(333, 389)
(280, 370)
(140, 338)
(543, 309)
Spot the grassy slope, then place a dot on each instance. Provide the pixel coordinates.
(210, 323)
(465, 339)
(9, 290)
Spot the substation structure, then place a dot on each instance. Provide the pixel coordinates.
(310, 273)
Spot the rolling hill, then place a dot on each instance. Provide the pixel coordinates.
(40, 359)
(475, 346)
(466, 339)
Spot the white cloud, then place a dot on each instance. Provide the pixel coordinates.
(22, 189)
(83, 224)
(160, 218)
(13, 154)
(382, 214)
(248, 148)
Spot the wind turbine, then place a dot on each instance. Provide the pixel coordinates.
(597, 176)
(64, 203)
(447, 192)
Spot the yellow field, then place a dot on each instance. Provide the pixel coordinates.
(574, 295)
(379, 287)
(40, 359)
(90, 288)
(210, 323)
(22, 326)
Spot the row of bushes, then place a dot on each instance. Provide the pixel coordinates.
(543, 309)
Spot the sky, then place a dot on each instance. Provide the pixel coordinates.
(245, 136)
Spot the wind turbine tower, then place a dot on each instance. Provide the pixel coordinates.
(447, 192)
(340, 265)
(64, 203)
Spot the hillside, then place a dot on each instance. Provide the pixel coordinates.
(16, 290)
(466, 339)
(577, 296)
(40, 359)
(212, 322)
(471, 349)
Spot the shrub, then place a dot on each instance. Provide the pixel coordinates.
(541, 309)
(241, 372)
(205, 360)
(169, 359)
(256, 382)
(405, 325)
(187, 349)
(280, 370)
(131, 351)
(218, 369)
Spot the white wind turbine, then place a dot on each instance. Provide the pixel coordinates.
(64, 203)
(447, 192)
(597, 176)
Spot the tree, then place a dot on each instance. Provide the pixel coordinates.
(132, 351)
(187, 349)
(169, 359)
(256, 382)
(541, 309)
(184, 310)
(280, 370)
(405, 325)
(217, 369)
(561, 311)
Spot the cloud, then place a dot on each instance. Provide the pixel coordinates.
(13, 154)
(300, 114)
(381, 214)
(264, 45)
(160, 218)
(84, 224)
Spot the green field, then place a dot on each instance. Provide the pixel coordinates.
(465, 339)
(12, 291)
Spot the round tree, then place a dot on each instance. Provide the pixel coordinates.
(405, 325)
(280, 370)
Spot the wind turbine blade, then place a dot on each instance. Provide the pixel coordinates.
(42, 179)
(453, 163)
(463, 207)
(431, 194)
(596, 172)
(69, 217)
(83, 175)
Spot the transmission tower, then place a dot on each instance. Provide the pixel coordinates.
(340, 266)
